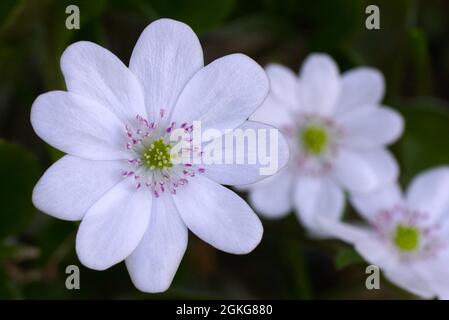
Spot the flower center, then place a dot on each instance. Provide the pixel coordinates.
(152, 160)
(406, 237)
(315, 142)
(314, 139)
(157, 155)
(409, 231)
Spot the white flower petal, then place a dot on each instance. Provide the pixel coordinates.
(113, 226)
(71, 185)
(251, 160)
(365, 240)
(223, 94)
(317, 197)
(167, 54)
(78, 126)
(319, 84)
(375, 251)
(365, 170)
(385, 197)
(218, 216)
(429, 193)
(436, 273)
(272, 197)
(371, 127)
(95, 73)
(283, 85)
(153, 264)
(360, 87)
(343, 231)
(273, 112)
(407, 277)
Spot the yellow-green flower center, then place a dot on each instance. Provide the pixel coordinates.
(314, 139)
(406, 238)
(157, 155)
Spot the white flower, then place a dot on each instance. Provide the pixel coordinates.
(408, 236)
(119, 177)
(337, 131)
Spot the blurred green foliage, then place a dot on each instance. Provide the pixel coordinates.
(19, 171)
(346, 257)
(425, 142)
(411, 49)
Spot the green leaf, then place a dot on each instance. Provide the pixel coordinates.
(346, 257)
(19, 172)
(425, 142)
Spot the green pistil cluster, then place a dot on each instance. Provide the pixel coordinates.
(406, 238)
(314, 140)
(157, 155)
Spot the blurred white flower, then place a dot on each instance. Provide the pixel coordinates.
(407, 236)
(119, 178)
(337, 131)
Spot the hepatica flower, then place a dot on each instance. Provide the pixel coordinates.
(120, 176)
(408, 235)
(337, 131)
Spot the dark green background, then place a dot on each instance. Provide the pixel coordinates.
(411, 49)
